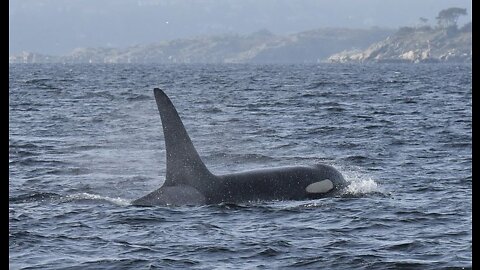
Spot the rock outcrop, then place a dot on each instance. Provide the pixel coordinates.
(414, 45)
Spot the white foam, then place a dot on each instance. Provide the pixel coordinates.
(363, 186)
(88, 196)
(360, 183)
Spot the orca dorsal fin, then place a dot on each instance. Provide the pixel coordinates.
(184, 165)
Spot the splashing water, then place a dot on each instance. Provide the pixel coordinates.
(88, 196)
(360, 184)
(363, 186)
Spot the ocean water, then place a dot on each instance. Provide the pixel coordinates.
(86, 140)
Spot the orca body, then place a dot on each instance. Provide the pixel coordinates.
(189, 182)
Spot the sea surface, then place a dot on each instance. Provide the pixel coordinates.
(86, 140)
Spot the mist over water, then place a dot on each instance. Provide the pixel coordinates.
(85, 140)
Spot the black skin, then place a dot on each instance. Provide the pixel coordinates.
(189, 182)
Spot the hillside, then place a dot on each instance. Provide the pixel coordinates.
(260, 47)
(423, 44)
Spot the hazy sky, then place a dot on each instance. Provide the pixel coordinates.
(59, 26)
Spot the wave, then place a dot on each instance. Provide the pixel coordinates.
(139, 97)
(37, 80)
(95, 197)
(33, 197)
(49, 196)
(94, 95)
(361, 160)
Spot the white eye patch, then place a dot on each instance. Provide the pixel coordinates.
(323, 186)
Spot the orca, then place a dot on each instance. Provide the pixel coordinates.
(189, 182)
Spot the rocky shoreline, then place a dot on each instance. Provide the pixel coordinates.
(415, 45)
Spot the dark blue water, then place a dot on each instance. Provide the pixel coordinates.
(85, 140)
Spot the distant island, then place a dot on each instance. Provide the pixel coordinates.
(445, 42)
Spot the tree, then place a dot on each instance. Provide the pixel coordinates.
(448, 17)
(423, 26)
(423, 20)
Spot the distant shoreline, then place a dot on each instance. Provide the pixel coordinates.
(326, 45)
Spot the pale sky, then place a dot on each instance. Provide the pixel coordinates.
(59, 26)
